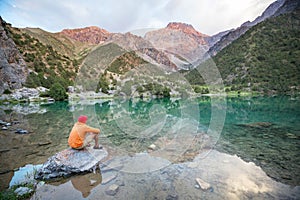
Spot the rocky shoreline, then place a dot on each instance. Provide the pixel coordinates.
(201, 178)
(25, 94)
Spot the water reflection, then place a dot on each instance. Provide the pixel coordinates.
(229, 177)
(76, 187)
(85, 183)
(183, 128)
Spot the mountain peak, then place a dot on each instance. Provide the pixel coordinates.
(186, 28)
(179, 25)
(91, 34)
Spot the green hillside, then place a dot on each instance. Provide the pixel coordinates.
(265, 59)
(62, 44)
(125, 62)
(46, 65)
(110, 68)
(95, 64)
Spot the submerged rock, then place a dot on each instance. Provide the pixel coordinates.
(112, 190)
(21, 131)
(22, 190)
(257, 125)
(69, 162)
(203, 185)
(152, 147)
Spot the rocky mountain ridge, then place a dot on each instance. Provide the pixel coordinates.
(146, 49)
(181, 42)
(287, 7)
(91, 34)
(13, 70)
(63, 44)
(275, 9)
(189, 30)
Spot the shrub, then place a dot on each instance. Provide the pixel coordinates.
(103, 85)
(44, 94)
(58, 92)
(32, 81)
(7, 91)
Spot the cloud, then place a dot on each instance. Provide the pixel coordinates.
(207, 16)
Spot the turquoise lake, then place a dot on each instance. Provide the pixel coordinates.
(260, 130)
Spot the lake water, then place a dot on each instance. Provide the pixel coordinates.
(222, 140)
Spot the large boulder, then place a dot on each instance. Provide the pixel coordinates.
(69, 162)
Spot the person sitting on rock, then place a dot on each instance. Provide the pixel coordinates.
(82, 135)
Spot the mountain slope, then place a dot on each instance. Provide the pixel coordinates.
(264, 59)
(189, 30)
(125, 63)
(90, 35)
(211, 41)
(288, 6)
(236, 33)
(181, 42)
(13, 70)
(46, 66)
(110, 68)
(60, 42)
(145, 49)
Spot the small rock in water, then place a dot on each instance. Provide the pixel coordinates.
(152, 147)
(21, 131)
(204, 185)
(292, 136)
(44, 143)
(112, 190)
(172, 197)
(257, 125)
(23, 190)
(40, 184)
(108, 179)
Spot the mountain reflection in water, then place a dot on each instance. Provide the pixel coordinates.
(262, 130)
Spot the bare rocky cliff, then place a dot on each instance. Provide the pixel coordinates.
(92, 34)
(181, 42)
(132, 42)
(189, 30)
(13, 69)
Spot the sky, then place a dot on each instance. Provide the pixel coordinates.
(206, 16)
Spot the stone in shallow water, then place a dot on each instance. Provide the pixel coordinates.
(152, 147)
(112, 190)
(24, 175)
(21, 131)
(257, 125)
(23, 190)
(69, 162)
(203, 185)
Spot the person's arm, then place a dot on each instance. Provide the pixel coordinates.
(92, 130)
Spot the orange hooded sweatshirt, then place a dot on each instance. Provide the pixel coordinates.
(78, 132)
